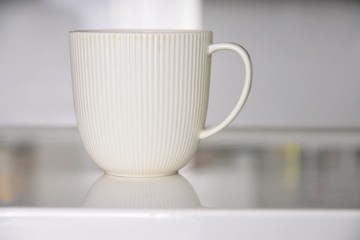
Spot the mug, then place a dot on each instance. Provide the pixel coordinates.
(141, 96)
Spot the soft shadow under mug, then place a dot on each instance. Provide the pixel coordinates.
(141, 96)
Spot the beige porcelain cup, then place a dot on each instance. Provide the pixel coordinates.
(141, 97)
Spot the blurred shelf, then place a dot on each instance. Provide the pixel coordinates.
(272, 175)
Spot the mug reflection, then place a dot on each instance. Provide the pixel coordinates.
(161, 192)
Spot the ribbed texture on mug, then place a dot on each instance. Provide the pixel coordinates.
(140, 99)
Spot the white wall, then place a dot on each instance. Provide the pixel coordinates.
(145, 14)
(35, 84)
(306, 56)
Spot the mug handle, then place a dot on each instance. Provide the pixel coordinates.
(207, 132)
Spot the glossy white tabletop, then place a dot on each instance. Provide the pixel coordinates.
(242, 184)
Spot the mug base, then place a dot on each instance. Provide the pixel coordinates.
(140, 175)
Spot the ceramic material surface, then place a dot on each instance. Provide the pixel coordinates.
(141, 97)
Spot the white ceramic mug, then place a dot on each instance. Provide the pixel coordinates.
(141, 96)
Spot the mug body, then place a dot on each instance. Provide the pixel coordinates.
(140, 97)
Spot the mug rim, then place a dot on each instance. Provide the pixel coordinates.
(139, 31)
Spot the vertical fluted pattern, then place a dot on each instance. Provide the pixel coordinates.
(140, 98)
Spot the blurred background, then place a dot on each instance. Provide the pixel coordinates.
(306, 56)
